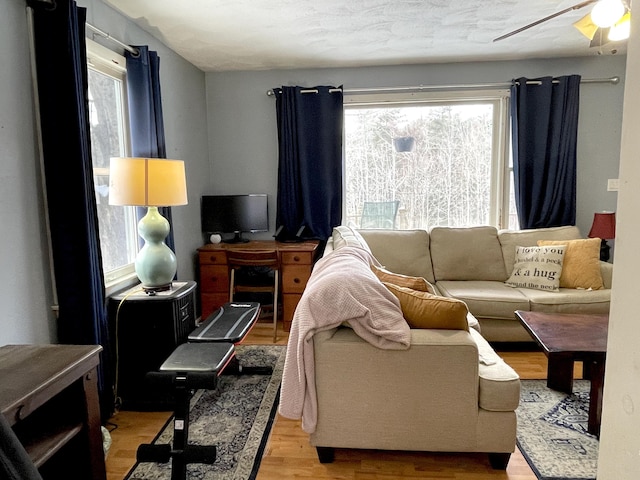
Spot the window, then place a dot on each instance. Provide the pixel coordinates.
(109, 138)
(440, 157)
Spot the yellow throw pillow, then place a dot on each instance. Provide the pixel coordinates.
(424, 310)
(581, 264)
(415, 283)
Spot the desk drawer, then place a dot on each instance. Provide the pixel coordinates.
(295, 277)
(293, 258)
(214, 278)
(212, 258)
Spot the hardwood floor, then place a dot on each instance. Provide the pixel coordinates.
(289, 455)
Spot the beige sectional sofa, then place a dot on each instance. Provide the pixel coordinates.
(472, 264)
(442, 388)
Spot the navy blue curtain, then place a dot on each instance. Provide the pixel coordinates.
(63, 104)
(310, 161)
(145, 115)
(544, 117)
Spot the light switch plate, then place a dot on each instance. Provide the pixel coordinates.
(612, 185)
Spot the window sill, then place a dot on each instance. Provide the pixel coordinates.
(120, 284)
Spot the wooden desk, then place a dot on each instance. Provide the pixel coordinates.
(296, 261)
(49, 396)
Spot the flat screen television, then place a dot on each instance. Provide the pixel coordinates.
(237, 214)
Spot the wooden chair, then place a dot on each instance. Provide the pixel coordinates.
(268, 259)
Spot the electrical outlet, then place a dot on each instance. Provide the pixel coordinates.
(613, 184)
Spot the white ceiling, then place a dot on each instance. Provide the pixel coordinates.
(220, 35)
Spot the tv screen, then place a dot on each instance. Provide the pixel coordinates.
(235, 214)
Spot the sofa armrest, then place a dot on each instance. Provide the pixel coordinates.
(606, 270)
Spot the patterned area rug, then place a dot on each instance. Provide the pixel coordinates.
(237, 418)
(552, 431)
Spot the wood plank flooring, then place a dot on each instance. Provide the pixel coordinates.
(289, 455)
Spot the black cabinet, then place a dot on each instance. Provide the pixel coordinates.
(147, 329)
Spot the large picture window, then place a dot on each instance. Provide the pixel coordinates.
(109, 138)
(418, 160)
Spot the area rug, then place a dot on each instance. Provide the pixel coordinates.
(552, 431)
(237, 418)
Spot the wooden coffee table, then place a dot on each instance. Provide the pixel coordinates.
(566, 338)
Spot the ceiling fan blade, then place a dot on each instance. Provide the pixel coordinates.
(542, 20)
(586, 26)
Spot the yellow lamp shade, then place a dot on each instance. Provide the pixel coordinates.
(622, 29)
(147, 182)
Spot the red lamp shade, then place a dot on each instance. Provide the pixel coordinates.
(604, 226)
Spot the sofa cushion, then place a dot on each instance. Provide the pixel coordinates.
(415, 283)
(344, 236)
(538, 267)
(401, 251)
(425, 310)
(510, 239)
(472, 253)
(499, 385)
(581, 264)
(568, 300)
(486, 299)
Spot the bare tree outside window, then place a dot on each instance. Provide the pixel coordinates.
(108, 126)
(446, 178)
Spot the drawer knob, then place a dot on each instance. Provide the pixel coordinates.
(296, 280)
(212, 258)
(21, 413)
(296, 258)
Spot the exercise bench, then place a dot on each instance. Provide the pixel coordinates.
(190, 366)
(209, 353)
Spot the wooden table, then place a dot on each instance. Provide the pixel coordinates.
(566, 338)
(49, 396)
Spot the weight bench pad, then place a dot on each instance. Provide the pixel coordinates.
(199, 357)
(229, 323)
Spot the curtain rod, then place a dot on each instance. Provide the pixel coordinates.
(420, 88)
(106, 35)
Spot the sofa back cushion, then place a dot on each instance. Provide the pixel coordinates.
(401, 251)
(468, 253)
(510, 239)
(344, 236)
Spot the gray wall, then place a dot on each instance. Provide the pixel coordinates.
(242, 130)
(26, 293)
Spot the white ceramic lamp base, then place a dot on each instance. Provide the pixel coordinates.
(156, 264)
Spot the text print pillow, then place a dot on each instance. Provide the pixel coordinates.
(538, 267)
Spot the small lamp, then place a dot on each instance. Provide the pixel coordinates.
(151, 183)
(604, 227)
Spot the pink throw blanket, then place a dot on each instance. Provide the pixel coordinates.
(342, 288)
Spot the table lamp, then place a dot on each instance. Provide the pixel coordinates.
(151, 183)
(604, 227)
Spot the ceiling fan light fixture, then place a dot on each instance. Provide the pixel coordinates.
(606, 13)
(586, 27)
(622, 29)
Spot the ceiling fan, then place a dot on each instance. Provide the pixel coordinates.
(609, 20)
